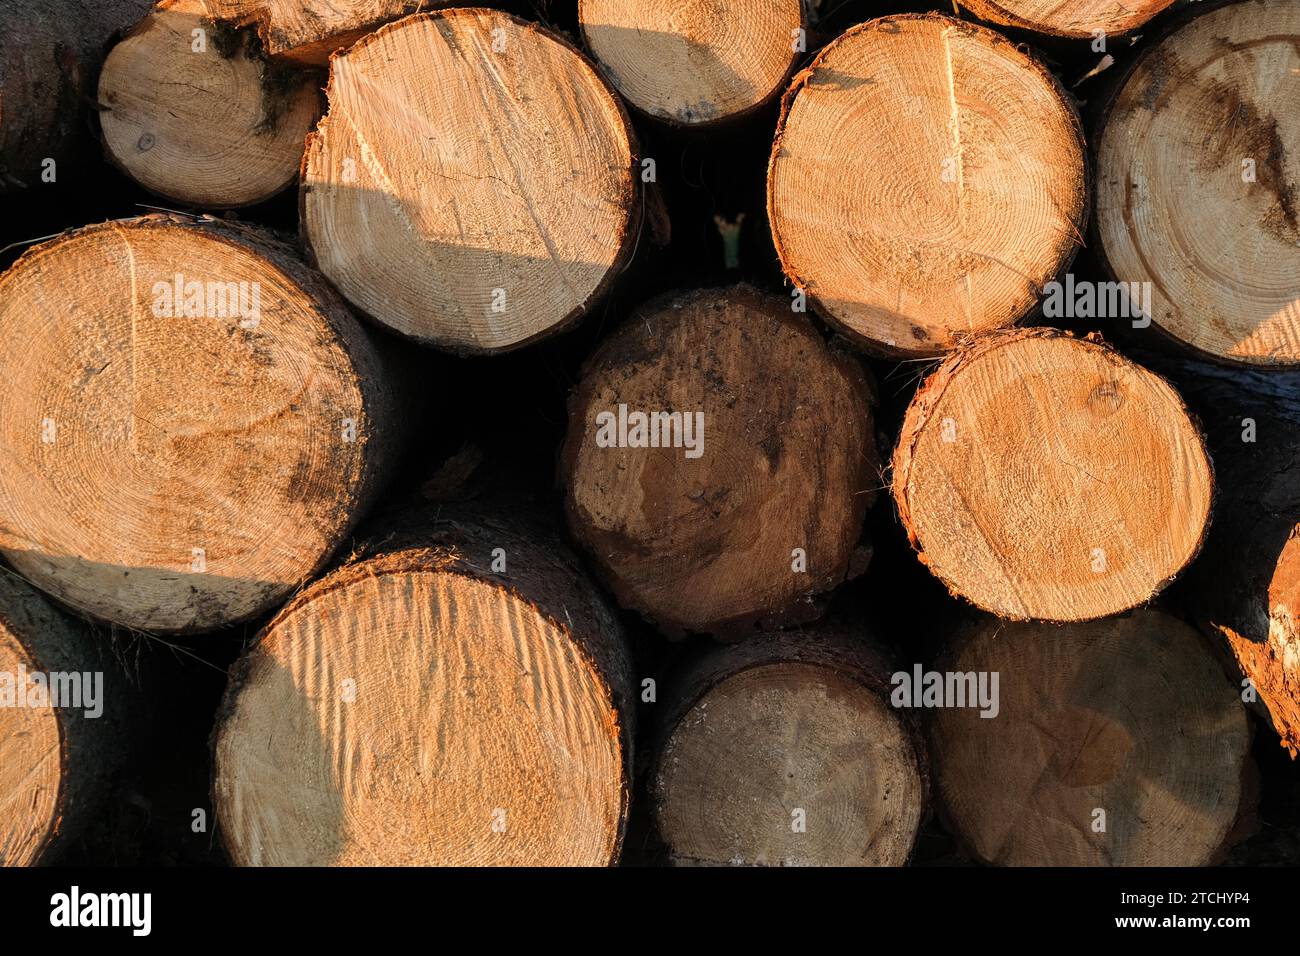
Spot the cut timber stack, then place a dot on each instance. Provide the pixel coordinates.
(202, 120)
(191, 426)
(926, 181)
(1079, 19)
(1209, 112)
(1117, 743)
(709, 499)
(50, 52)
(58, 754)
(472, 186)
(695, 63)
(308, 31)
(784, 751)
(1043, 476)
(458, 695)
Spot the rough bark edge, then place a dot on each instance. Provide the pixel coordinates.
(318, 52)
(1174, 24)
(425, 541)
(829, 646)
(253, 51)
(803, 608)
(995, 13)
(931, 392)
(337, 331)
(1065, 257)
(91, 752)
(633, 198)
(1238, 827)
(718, 122)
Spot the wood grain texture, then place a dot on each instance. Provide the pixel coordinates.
(1208, 112)
(788, 461)
(927, 180)
(1044, 476)
(694, 62)
(131, 435)
(1077, 18)
(1132, 716)
(57, 762)
(794, 721)
(215, 128)
(489, 721)
(469, 197)
(309, 31)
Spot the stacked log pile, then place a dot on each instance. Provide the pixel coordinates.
(647, 433)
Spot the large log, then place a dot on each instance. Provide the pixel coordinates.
(308, 31)
(1118, 742)
(784, 751)
(456, 695)
(927, 180)
(192, 424)
(472, 186)
(50, 52)
(711, 499)
(1079, 19)
(1208, 112)
(63, 705)
(691, 63)
(203, 120)
(1044, 476)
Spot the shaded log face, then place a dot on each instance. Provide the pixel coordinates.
(1198, 174)
(200, 123)
(784, 751)
(1117, 742)
(1079, 18)
(691, 62)
(1043, 476)
(190, 427)
(408, 710)
(927, 180)
(719, 461)
(472, 185)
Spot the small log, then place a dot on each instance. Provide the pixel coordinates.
(1043, 476)
(472, 185)
(457, 694)
(785, 751)
(693, 64)
(1198, 183)
(927, 180)
(203, 120)
(190, 425)
(758, 508)
(1116, 743)
(1079, 19)
(306, 32)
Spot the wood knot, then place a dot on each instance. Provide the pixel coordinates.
(1105, 399)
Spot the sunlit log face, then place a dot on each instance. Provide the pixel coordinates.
(472, 186)
(1043, 476)
(927, 181)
